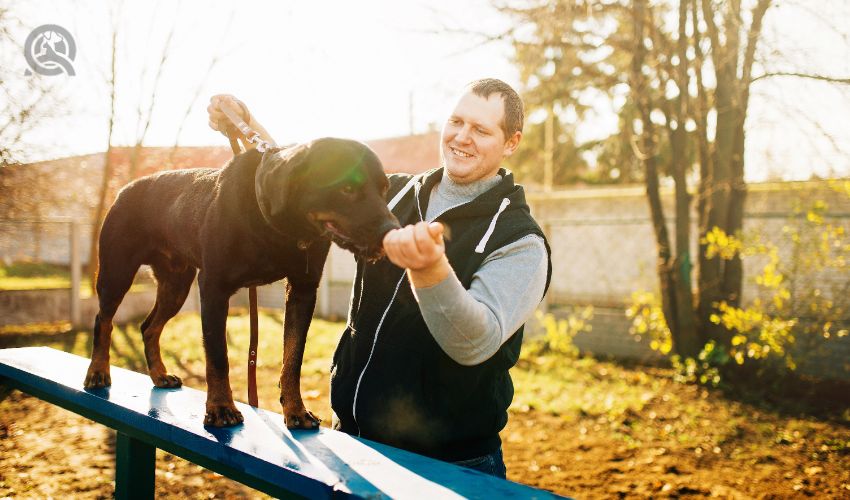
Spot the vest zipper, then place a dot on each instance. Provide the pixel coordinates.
(372, 351)
(414, 183)
(416, 187)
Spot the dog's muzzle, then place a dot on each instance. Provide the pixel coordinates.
(387, 226)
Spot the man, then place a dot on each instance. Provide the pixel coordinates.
(434, 328)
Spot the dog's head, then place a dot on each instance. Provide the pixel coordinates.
(329, 187)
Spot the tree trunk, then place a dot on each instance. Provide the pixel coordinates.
(733, 276)
(718, 183)
(97, 219)
(721, 281)
(103, 195)
(646, 153)
(705, 168)
(688, 341)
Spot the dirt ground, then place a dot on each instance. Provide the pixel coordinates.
(578, 427)
(47, 452)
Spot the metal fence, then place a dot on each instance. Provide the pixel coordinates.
(603, 250)
(65, 244)
(602, 261)
(595, 261)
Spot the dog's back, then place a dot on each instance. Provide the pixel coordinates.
(163, 210)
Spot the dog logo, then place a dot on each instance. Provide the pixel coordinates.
(50, 50)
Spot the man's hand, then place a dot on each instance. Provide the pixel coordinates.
(420, 249)
(218, 120)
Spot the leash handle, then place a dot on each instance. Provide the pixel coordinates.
(250, 134)
(243, 127)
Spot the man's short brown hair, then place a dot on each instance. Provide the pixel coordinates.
(514, 114)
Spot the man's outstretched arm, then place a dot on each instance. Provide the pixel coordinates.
(470, 325)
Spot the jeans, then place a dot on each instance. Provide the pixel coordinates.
(492, 464)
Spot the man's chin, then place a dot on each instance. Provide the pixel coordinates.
(458, 170)
(461, 175)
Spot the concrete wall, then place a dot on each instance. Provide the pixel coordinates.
(18, 307)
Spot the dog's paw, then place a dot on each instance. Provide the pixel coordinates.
(166, 381)
(97, 379)
(303, 419)
(222, 416)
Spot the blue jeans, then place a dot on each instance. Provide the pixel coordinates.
(492, 464)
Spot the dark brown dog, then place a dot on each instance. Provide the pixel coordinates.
(261, 218)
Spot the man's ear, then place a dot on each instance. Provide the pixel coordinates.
(512, 144)
(275, 177)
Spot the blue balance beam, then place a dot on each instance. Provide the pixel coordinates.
(261, 453)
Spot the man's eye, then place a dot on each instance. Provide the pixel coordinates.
(348, 190)
(481, 131)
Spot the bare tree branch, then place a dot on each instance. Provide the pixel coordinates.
(216, 58)
(823, 78)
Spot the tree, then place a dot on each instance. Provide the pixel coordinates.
(682, 71)
(25, 101)
(146, 102)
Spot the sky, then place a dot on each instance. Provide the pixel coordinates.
(372, 69)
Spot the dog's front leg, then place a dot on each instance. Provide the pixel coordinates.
(221, 411)
(300, 302)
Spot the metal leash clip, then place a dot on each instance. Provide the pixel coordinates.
(251, 135)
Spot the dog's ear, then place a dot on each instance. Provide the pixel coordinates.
(275, 179)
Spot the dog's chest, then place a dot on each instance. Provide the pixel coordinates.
(270, 266)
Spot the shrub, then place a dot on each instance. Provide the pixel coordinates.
(802, 297)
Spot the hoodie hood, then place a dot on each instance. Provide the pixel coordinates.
(486, 204)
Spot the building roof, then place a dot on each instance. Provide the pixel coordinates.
(69, 186)
(410, 154)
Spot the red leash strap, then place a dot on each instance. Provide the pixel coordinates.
(252, 348)
(252, 291)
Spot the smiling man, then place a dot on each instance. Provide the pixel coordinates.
(434, 328)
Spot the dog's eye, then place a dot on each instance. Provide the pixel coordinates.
(348, 190)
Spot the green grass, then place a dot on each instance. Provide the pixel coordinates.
(34, 276)
(25, 269)
(578, 387)
(44, 276)
(182, 348)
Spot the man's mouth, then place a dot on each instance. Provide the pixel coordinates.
(459, 153)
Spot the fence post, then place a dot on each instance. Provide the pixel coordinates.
(76, 274)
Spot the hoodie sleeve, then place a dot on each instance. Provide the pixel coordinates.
(471, 325)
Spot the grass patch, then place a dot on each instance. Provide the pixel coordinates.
(579, 387)
(33, 270)
(36, 276)
(45, 276)
(182, 348)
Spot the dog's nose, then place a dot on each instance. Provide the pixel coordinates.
(387, 226)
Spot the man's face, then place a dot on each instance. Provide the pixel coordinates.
(473, 144)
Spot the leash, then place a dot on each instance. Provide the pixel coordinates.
(250, 134)
(252, 137)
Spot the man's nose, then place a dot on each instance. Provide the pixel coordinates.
(463, 135)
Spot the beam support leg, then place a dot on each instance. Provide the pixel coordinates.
(135, 462)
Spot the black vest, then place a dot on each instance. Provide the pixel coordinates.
(400, 388)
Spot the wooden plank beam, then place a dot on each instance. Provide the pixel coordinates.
(261, 453)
